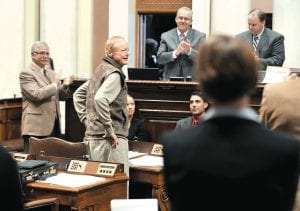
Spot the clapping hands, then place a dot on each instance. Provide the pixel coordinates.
(66, 81)
(184, 47)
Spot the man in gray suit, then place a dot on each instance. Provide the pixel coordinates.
(179, 46)
(41, 90)
(268, 45)
(198, 105)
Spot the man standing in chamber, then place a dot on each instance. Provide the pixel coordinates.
(41, 91)
(100, 104)
(178, 46)
(268, 45)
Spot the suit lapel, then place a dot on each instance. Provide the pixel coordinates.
(190, 35)
(262, 42)
(39, 75)
(249, 38)
(175, 37)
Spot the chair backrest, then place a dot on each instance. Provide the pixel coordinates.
(134, 205)
(57, 147)
(49, 204)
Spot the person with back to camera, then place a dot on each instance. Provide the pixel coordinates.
(41, 90)
(198, 105)
(137, 130)
(267, 44)
(100, 104)
(178, 46)
(230, 160)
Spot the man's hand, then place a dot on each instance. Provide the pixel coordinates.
(68, 80)
(184, 47)
(115, 140)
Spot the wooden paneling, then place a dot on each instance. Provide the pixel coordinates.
(161, 6)
(100, 29)
(161, 103)
(10, 120)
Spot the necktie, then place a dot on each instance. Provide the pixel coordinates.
(46, 76)
(195, 122)
(181, 37)
(255, 42)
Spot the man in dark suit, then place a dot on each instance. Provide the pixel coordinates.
(41, 90)
(230, 161)
(268, 45)
(178, 46)
(198, 105)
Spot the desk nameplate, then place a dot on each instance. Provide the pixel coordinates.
(104, 169)
(157, 150)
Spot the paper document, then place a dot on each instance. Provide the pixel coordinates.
(147, 160)
(133, 154)
(275, 74)
(72, 180)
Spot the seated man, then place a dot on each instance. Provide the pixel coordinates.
(198, 105)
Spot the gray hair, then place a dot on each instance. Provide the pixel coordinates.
(187, 9)
(38, 45)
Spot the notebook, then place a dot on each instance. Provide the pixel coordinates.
(137, 73)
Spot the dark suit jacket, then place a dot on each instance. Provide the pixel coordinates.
(137, 130)
(270, 48)
(230, 164)
(40, 101)
(10, 185)
(168, 43)
(183, 123)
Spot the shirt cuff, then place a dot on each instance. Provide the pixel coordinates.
(174, 55)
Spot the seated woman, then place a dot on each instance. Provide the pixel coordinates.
(136, 126)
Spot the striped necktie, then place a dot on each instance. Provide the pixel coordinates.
(255, 42)
(181, 37)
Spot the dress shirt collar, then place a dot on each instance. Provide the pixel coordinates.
(38, 68)
(179, 33)
(259, 34)
(226, 111)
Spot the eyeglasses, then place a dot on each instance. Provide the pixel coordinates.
(43, 53)
(184, 18)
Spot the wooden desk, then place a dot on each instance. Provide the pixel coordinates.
(96, 197)
(149, 174)
(152, 175)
